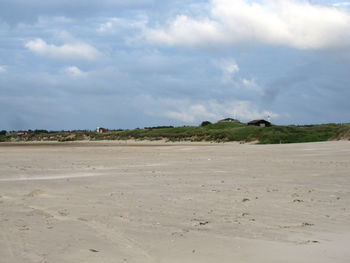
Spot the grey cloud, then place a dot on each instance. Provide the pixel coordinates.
(278, 85)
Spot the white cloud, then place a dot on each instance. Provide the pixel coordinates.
(186, 31)
(245, 110)
(213, 111)
(109, 25)
(229, 69)
(250, 84)
(297, 24)
(76, 50)
(3, 69)
(192, 113)
(116, 25)
(74, 72)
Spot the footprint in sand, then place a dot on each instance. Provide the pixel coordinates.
(34, 193)
(63, 212)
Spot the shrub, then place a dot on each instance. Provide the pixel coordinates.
(205, 123)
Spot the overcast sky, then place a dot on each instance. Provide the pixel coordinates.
(78, 64)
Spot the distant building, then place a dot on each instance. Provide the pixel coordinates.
(228, 120)
(101, 130)
(261, 123)
(20, 133)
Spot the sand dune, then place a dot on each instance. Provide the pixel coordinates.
(188, 202)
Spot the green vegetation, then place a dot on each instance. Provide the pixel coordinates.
(205, 123)
(343, 133)
(218, 132)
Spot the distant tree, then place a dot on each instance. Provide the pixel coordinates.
(3, 132)
(40, 131)
(205, 123)
(158, 127)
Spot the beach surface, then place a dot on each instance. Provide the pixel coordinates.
(174, 202)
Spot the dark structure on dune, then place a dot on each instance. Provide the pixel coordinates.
(261, 123)
(228, 120)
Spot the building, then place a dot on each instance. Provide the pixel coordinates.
(20, 133)
(261, 123)
(101, 130)
(228, 120)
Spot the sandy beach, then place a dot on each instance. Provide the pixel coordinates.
(174, 202)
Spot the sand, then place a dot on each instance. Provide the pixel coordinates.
(159, 202)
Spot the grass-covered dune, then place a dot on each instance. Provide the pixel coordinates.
(218, 132)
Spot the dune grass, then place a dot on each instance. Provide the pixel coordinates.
(218, 132)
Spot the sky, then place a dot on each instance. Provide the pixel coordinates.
(79, 64)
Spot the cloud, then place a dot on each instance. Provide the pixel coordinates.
(246, 110)
(118, 24)
(229, 69)
(214, 110)
(185, 31)
(3, 69)
(111, 25)
(296, 24)
(192, 114)
(74, 72)
(76, 50)
(250, 84)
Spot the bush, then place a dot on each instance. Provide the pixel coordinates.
(40, 131)
(205, 123)
(159, 127)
